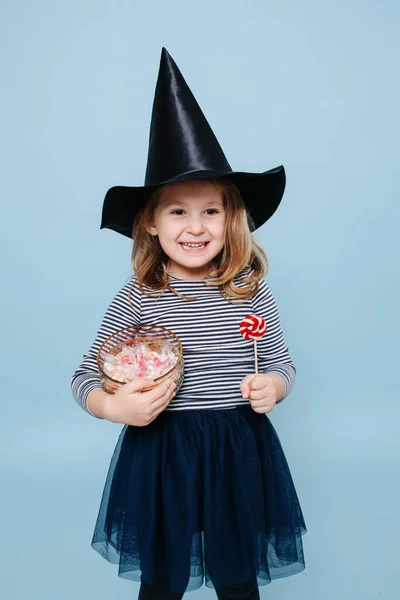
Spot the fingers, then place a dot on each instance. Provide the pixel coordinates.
(251, 385)
(245, 385)
(154, 394)
(160, 391)
(260, 381)
(137, 384)
(160, 404)
(258, 394)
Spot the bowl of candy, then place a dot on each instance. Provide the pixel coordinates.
(140, 351)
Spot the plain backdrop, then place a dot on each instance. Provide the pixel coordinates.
(312, 85)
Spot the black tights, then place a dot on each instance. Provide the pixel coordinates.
(240, 591)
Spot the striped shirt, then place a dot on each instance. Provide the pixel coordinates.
(216, 355)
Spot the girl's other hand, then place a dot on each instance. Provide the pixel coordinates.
(131, 406)
(261, 390)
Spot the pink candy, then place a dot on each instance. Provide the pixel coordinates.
(139, 360)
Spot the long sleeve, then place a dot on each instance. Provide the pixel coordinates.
(119, 314)
(273, 354)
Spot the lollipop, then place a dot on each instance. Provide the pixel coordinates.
(253, 327)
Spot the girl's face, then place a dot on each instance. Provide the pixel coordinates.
(189, 221)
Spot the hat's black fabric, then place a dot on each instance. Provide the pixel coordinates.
(182, 146)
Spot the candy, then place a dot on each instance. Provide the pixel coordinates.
(253, 327)
(134, 361)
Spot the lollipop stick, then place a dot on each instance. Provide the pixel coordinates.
(255, 355)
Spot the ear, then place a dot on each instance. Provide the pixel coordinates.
(152, 229)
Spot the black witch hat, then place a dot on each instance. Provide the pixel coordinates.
(182, 146)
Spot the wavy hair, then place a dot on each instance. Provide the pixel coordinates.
(241, 255)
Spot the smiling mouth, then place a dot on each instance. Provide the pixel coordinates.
(193, 246)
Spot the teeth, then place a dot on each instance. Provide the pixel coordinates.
(193, 245)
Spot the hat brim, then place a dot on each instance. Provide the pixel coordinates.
(261, 192)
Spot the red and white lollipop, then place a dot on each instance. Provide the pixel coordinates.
(253, 327)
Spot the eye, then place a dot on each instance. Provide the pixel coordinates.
(212, 211)
(177, 211)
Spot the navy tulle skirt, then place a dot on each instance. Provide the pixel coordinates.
(201, 496)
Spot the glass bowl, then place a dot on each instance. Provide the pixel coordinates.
(155, 338)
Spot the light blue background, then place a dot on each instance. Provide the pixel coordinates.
(313, 85)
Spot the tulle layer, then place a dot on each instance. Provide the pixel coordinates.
(201, 496)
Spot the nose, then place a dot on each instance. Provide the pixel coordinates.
(195, 224)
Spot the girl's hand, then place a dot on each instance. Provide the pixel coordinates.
(130, 406)
(261, 390)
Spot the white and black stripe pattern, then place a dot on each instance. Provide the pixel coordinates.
(217, 357)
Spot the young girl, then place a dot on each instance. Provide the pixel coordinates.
(198, 488)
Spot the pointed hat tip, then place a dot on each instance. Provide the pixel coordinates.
(166, 60)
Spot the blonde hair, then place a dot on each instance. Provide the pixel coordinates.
(241, 253)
